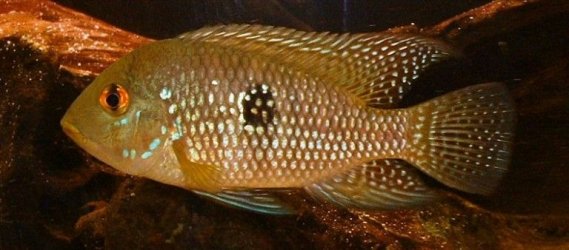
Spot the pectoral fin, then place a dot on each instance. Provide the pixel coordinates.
(380, 184)
(199, 176)
(260, 201)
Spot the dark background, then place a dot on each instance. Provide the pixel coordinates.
(162, 19)
(54, 195)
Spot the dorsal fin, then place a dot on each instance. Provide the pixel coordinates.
(376, 67)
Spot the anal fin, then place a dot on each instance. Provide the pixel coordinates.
(256, 200)
(379, 184)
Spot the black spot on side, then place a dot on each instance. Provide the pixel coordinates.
(259, 106)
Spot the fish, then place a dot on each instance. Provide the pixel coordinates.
(239, 113)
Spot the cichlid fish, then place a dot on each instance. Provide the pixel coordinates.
(236, 112)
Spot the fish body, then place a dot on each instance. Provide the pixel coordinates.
(236, 112)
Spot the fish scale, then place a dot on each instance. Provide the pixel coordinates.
(241, 113)
(308, 145)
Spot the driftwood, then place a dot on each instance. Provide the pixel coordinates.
(53, 195)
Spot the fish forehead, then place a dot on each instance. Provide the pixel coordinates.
(269, 124)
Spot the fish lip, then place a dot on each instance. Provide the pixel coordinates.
(69, 129)
(74, 133)
(82, 141)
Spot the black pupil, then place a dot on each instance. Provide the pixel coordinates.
(113, 100)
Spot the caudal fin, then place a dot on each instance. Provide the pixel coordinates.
(463, 139)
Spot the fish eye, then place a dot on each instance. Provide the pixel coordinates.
(114, 99)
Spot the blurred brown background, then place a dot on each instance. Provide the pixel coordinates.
(55, 196)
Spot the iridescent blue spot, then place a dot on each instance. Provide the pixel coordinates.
(125, 153)
(124, 121)
(132, 154)
(146, 154)
(176, 136)
(166, 93)
(178, 123)
(137, 115)
(172, 108)
(164, 130)
(154, 144)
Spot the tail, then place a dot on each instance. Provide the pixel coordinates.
(463, 139)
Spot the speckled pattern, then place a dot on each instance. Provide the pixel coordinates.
(239, 107)
(466, 137)
(316, 131)
(271, 106)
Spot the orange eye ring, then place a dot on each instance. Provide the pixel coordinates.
(114, 99)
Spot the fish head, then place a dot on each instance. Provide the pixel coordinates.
(117, 120)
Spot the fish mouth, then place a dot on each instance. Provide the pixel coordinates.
(82, 141)
(73, 132)
(70, 130)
